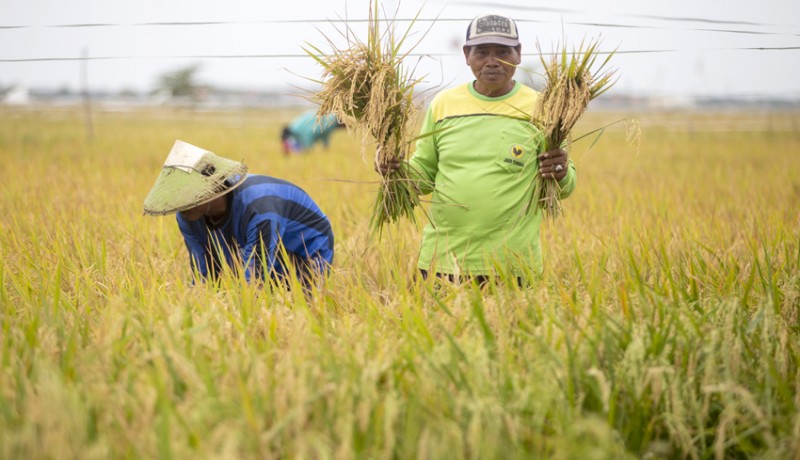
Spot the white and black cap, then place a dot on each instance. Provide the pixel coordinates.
(494, 29)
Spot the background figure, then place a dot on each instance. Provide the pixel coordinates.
(306, 130)
(228, 218)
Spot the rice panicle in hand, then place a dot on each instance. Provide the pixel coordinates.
(367, 87)
(571, 82)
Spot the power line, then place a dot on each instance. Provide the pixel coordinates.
(541, 9)
(219, 23)
(699, 29)
(294, 56)
(418, 20)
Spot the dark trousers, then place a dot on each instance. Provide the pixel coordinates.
(480, 280)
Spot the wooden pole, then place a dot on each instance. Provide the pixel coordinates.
(87, 99)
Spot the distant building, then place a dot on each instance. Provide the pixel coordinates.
(672, 102)
(17, 95)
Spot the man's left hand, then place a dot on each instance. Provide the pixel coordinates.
(554, 164)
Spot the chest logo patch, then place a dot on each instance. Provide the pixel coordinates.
(517, 151)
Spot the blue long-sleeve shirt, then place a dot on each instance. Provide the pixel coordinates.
(265, 214)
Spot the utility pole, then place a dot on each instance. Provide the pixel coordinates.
(87, 100)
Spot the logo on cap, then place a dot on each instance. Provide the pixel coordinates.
(493, 25)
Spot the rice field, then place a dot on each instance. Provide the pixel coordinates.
(665, 324)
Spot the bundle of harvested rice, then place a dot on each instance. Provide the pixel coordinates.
(571, 82)
(367, 88)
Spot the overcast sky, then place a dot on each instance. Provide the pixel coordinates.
(674, 48)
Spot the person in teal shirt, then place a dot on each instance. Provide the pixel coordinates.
(478, 158)
(308, 129)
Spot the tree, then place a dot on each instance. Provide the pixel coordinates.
(180, 82)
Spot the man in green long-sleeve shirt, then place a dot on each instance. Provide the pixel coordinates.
(480, 164)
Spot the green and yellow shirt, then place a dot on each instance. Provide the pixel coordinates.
(478, 157)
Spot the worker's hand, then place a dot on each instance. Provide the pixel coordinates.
(390, 166)
(554, 164)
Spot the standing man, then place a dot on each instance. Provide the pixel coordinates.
(266, 226)
(306, 130)
(480, 164)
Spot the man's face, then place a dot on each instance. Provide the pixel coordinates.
(195, 213)
(493, 65)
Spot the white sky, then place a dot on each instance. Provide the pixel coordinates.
(702, 59)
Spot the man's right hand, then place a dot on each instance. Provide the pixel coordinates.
(388, 167)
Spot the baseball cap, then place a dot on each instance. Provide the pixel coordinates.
(496, 29)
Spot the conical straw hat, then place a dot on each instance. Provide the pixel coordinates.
(192, 176)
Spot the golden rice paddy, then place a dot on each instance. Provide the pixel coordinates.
(665, 324)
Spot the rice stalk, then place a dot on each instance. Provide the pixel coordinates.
(571, 82)
(367, 87)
